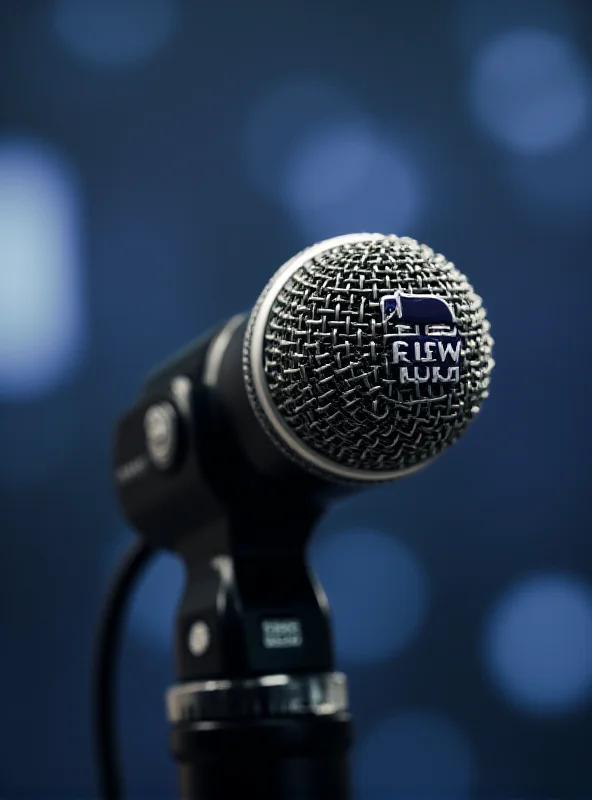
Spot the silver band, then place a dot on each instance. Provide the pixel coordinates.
(257, 344)
(258, 698)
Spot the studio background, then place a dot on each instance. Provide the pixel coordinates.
(159, 160)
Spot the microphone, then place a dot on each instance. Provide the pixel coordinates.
(366, 356)
(363, 359)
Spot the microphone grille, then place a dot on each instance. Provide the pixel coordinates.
(336, 362)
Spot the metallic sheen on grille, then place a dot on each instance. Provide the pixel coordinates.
(329, 369)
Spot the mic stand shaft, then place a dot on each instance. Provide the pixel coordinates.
(258, 712)
(276, 743)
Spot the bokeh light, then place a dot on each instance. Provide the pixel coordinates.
(114, 32)
(531, 90)
(42, 319)
(412, 755)
(328, 164)
(283, 119)
(347, 178)
(377, 591)
(538, 644)
(311, 148)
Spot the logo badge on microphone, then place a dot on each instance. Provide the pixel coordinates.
(422, 335)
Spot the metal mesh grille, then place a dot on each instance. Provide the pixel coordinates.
(329, 368)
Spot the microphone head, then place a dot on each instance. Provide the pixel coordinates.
(366, 356)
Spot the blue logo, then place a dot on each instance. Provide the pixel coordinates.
(422, 335)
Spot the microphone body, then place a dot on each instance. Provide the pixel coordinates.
(364, 358)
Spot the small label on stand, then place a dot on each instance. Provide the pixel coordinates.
(281, 633)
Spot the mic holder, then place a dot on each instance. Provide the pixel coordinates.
(258, 710)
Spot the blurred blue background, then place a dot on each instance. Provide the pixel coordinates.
(159, 159)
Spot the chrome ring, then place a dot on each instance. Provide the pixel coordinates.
(258, 698)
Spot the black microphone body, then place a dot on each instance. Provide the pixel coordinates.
(364, 358)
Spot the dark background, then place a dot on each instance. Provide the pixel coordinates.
(159, 160)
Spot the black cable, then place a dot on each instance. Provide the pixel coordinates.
(105, 662)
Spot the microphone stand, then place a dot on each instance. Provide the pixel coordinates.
(258, 711)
